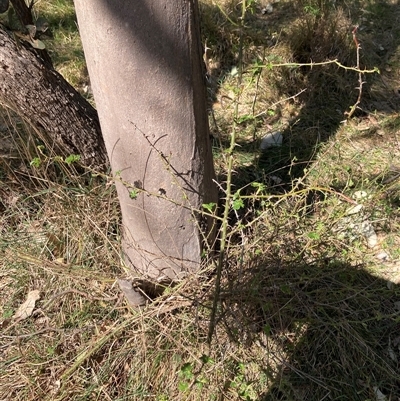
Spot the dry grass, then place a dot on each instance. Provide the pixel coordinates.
(307, 310)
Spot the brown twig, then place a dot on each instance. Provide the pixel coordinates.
(353, 108)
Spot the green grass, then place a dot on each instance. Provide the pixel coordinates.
(65, 47)
(307, 310)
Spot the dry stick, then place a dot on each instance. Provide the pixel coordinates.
(280, 198)
(253, 105)
(228, 192)
(312, 64)
(302, 191)
(279, 102)
(28, 335)
(353, 108)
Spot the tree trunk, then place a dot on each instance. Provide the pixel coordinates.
(144, 60)
(42, 97)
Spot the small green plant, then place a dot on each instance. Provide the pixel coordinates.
(312, 10)
(313, 235)
(72, 159)
(186, 376)
(243, 388)
(210, 207)
(36, 162)
(189, 378)
(133, 193)
(237, 201)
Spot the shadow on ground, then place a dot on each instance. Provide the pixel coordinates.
(317, 35)
(332, 330)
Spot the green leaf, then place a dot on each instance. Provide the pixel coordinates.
(259, 185)
(285, 289)
(237, 201)
(209, 206)
(36, 162)
(72, 159)
(313, 235)
(267, 329)
(237, 204)
(183, 386)
(133, 194)
(206, 359)
(244, 118)
(187, 371)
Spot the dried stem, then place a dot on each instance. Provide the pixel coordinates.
(353, 108)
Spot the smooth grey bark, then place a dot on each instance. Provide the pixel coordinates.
(42, 97)
(145, 64)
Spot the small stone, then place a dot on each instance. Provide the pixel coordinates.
(382, 256)
(354, 210)
(360, 195)
(268, 9)
(276, 180)
(369, 233)
(271, 140)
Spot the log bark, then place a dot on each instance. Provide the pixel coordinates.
(23, 11)
(145, 63)
(42, 97)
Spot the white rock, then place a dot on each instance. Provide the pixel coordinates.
(268, 9)
(234, 71)
(369, 233)
(276, 180)
(354, 210)
(379, 396)
(271, 140)
(360, 195)
(382, 256)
